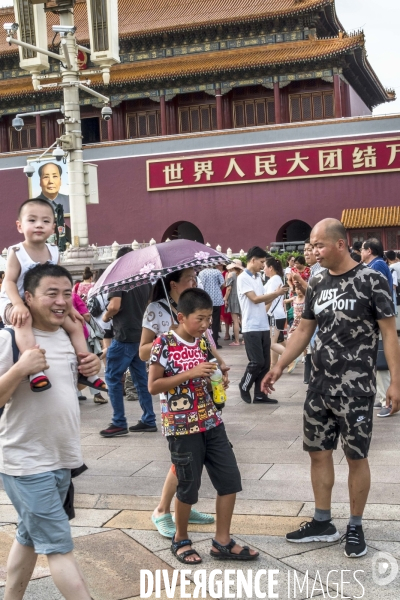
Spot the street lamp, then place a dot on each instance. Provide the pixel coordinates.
(31, 40)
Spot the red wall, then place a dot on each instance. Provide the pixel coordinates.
(236, 216)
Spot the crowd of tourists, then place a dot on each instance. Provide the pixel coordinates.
(332, 308)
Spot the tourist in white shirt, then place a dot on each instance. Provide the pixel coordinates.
(276, 311)
(255, 325)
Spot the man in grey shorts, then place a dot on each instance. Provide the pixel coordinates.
(351, 304)
(40, 436)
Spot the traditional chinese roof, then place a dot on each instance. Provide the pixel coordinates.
(139, 18)
(362, 218)
(225, 63)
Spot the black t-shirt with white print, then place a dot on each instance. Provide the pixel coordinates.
(347, 308)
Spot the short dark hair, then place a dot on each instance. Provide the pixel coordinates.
(391, 255)
(307, 241)
(256, 252)
(124, 250)
(34, 276)
(375, 246)
(40, 169)
(357, 246)
(355, 256)
(34, 201)
(300, 259)
(193, 299)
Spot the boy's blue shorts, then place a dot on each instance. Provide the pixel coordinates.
(42, 521)
(212, 449)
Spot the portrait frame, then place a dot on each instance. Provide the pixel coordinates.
(34, 187)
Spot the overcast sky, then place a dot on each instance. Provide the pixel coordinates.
(379, 20)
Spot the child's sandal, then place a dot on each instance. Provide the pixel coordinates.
(98, 384)
(184, 555)
(225, 552)
(41, 383)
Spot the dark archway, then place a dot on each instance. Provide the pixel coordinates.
(294, 231)
(183, 230)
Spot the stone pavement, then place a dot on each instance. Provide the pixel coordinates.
(115, 538)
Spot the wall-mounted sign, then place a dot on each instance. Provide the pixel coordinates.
(275, 164)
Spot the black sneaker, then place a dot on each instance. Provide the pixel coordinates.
(112, 431)
(355, 542)
(245, 396)
(314, 531)
(140, 427)
(264, 399)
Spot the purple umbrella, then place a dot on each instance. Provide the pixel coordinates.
(151, 263)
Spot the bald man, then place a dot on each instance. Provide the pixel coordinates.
(350, 303)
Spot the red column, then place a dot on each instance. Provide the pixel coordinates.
(4, 146)
(163, 115)
(39, 141)
(110, 130)
(277, 100)
(338, 96)
(218, 99)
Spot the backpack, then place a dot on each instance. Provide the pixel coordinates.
(94, 306)
(15, 352)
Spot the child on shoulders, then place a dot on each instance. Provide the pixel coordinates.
(196, 435)
(36, 222)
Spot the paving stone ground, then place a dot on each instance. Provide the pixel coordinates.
(115, 538)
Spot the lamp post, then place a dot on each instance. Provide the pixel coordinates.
(33, 49)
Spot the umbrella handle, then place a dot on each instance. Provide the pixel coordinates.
(167, 299)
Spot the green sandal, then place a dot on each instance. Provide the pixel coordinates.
(165, 525)
(199, 518)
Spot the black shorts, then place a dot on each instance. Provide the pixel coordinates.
(280, 324)
(212, 449)
(108, 334)
(328, 417)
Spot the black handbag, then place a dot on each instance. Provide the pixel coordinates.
(381, 364)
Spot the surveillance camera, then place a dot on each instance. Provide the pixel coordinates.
(58, 153)
(17, 123)
(106, 113)
(11, 27)
(64, 29)
(29, 170)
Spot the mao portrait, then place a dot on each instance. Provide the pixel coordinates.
(50, 182)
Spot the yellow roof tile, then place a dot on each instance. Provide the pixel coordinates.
(145, 17)
(220, 62)
(362, 218)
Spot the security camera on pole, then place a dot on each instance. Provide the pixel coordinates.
(33, 48)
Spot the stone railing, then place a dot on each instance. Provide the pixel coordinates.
(99, 257)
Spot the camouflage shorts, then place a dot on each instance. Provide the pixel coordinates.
(327, 417)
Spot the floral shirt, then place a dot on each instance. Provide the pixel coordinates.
(212, 281)
(187, 408)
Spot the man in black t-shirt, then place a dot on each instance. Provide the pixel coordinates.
(127, 310)
(351, 304)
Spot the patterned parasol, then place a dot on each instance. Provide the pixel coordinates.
(149, 264)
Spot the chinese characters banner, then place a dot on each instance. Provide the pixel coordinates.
(324, 160)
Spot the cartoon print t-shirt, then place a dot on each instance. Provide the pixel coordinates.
(187, 408)
(347, 309)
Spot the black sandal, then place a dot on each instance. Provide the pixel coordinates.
(225, 552)
(182, 557)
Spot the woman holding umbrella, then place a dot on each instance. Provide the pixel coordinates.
(157, 319)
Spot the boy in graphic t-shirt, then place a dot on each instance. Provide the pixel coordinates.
(179, 372)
